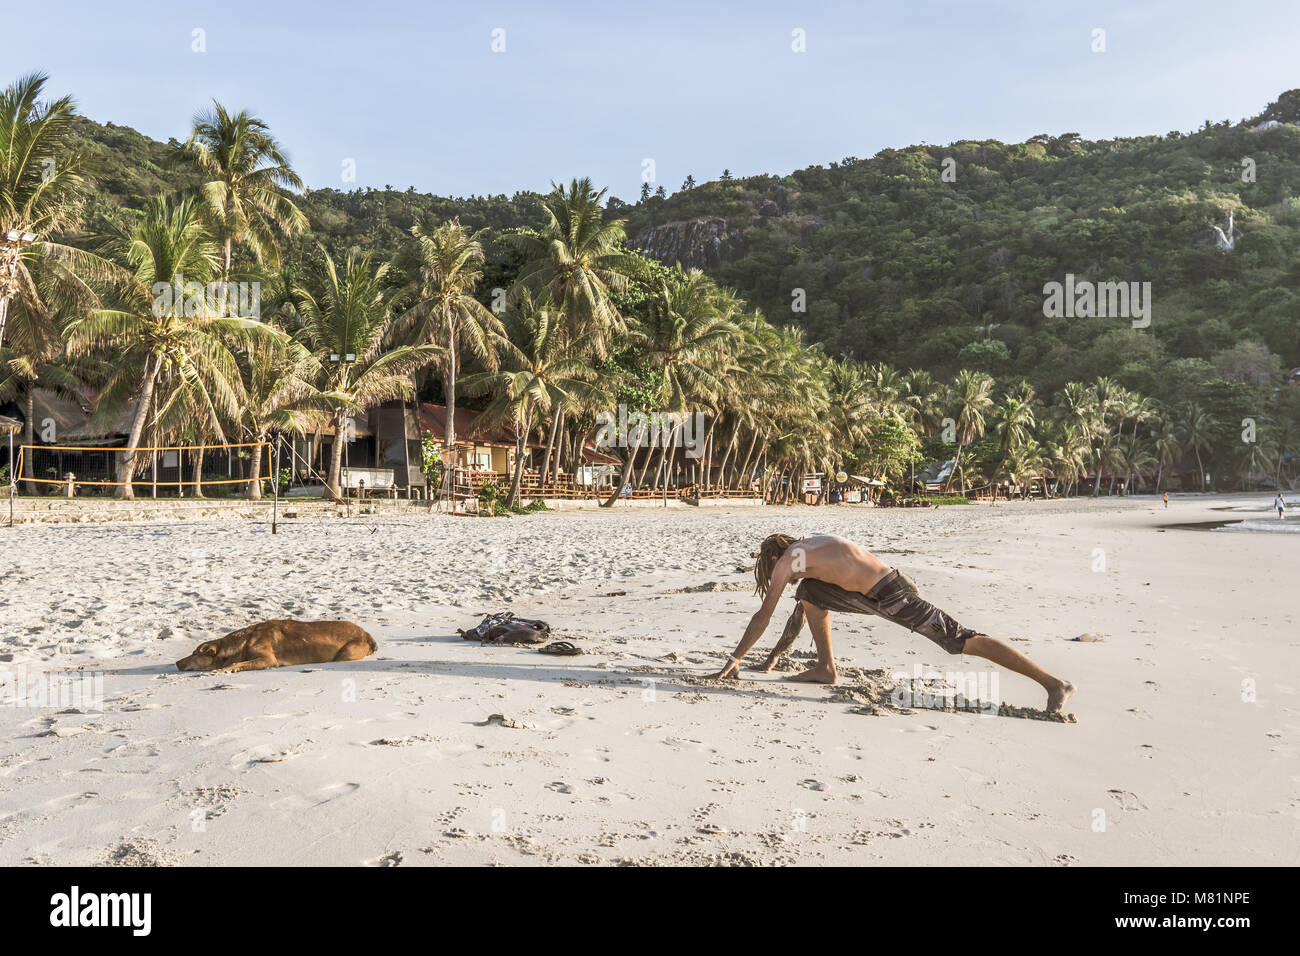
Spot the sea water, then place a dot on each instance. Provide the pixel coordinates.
(1290, 523)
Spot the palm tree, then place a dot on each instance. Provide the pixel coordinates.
(1067, 453)
(760, 377)
(172, 352)
(800, 437)
(1168, 444)
(32, 360)
(1026, 462)
(885, 385)
(43, 182)
(1256, 458)
(1197, 427)
(854, 404)
(243, 177)
(1108, 395)
(970, 402)
(1015, 421)
(1135, 460)
(685, 327)
(448, 260)
(579, 259)
(281, 396)
(536, 373)
(922, 396)
(346, 323)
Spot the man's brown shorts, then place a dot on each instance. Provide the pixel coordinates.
(894, 598)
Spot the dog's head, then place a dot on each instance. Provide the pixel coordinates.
(207, 656)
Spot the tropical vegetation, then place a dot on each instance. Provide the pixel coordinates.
(922, 339)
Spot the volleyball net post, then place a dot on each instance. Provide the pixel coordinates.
(275, 487)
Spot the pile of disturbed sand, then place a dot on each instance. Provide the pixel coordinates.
(873, 692)
(877, 693)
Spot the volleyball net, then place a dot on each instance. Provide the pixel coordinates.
(152, 471)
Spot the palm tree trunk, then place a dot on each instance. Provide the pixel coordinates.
(254, 489)
(518, 478)
(198, 472)
(622, 480)
(706, 473)
(649, 456)
(29, 429)
(336, 459)
(722, 467)
(665, 467)
(449, 397)
(956, 462)
(127, 469)
(559, 448)
(550, 445)
(749, 453)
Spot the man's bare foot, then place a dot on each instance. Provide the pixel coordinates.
(1057, 698)
(815, 675)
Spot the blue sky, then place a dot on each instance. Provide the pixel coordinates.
(415, 95)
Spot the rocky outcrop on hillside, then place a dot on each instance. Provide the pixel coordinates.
(695, 243)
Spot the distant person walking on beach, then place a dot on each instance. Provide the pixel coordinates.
(1165, 498)
(835, 574)
(1280, 504)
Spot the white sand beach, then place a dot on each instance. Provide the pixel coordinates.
(627, 755)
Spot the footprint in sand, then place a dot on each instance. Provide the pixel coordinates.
(811, 784)
(388, 859)
(559, 786)
(1126, 800)
(321, 797)
(335, 790)
(974, 776)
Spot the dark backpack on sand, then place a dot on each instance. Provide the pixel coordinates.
(505, 628)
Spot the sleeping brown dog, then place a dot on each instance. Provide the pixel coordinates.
(277, 643)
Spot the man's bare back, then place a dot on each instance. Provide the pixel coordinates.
(836, 560)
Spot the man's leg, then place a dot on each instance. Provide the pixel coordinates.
(788, 636)
(1004, 655)
(895, 599)
(819, 622)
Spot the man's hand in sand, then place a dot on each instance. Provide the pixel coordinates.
(757, 624)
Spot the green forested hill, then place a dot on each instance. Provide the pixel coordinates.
(897, 265)
(900, 266)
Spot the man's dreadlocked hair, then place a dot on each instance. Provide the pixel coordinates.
(769, 552)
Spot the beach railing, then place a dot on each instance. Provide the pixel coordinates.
(565, 488)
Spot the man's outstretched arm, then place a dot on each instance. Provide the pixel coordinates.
(758, 623)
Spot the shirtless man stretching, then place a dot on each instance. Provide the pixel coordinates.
(835, 574)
